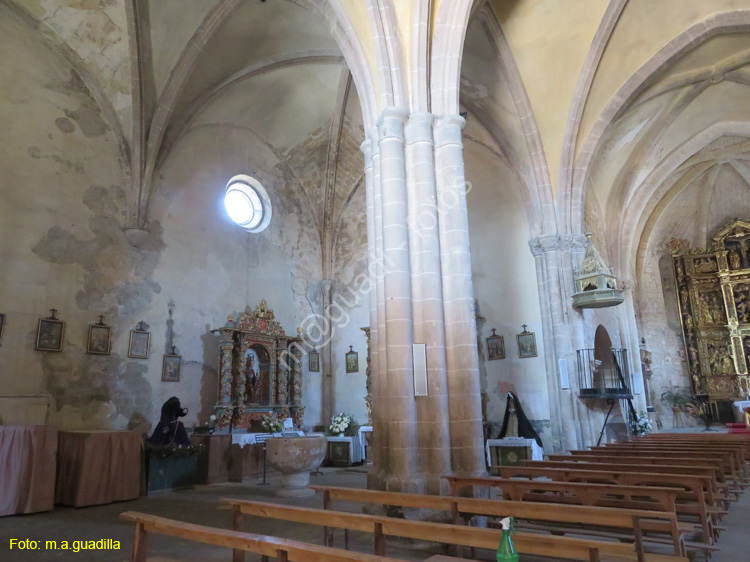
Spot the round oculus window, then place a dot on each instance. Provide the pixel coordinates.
(247, 203)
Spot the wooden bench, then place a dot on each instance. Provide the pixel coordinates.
(565, 548)
(727, 457)
(734, 452)
(717, 487)
(282, 550)
(582, 518)
(694, 485)
(615, 456)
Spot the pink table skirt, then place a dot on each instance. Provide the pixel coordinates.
(98, 467)
(27, 468)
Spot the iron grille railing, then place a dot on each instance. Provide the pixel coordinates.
(606, 376)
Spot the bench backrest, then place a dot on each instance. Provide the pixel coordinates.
(583, 493)
(526, 543)
(281, 549)
(602, 516)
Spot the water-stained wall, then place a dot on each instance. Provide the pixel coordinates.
(63, 199)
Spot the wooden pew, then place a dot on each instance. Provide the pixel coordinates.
(282, 550)
(673, 457)
(577, 493)
(718, 488)
(733, 452)
(565, 548)
(582, 518)
(694, 484)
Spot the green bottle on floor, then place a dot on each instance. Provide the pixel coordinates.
(506, 551)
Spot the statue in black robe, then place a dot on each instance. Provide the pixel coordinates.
(170, 430)
(515, 422)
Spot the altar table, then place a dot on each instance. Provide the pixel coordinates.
(98, 466)
(27, 468)
(529, 450)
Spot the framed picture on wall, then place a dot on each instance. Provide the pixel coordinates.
(526, 344)
(313, 361)
(50, 333)
(171, 369)
(2, 327)
(139, 344)
(100, 339)
(495, 347)
(352, 360)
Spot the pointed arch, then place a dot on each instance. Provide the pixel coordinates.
(572, 193)
(570, 138)
(540, 197)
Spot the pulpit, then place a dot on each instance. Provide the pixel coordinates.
(259, 372)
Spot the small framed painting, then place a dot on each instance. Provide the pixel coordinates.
(352, 360)
(100, 339)
(139, 344)
(2, 327)
(495, 347)
(50, 334)
(313, 361)
(526, 344)
(171, 369)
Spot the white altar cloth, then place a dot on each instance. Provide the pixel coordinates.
(537, 454)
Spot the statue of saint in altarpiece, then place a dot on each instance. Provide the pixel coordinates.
(259, 372)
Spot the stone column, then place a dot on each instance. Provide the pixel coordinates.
(381, 426)
(427, 300)
(402, 441)
(560, 334)
(634, 347)
(326, 410)
(462, 361)
(554, 385)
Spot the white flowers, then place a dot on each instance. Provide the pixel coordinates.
(212, 418)
(642, 426)
(340, 423)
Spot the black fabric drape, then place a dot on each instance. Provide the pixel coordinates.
(169, 430)
(525, 428)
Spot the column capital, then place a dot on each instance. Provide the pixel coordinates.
(419, 128)
(579, 243)
(448, 130)
(544, 244)
(391, 123)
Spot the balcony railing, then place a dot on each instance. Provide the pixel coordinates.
(606, 376)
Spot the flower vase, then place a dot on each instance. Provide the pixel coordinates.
(341, 434)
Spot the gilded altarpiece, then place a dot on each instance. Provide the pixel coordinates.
(713, 292)
(259, 372)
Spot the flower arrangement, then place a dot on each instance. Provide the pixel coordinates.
(271, 424)
(341, 423)
(641, 426)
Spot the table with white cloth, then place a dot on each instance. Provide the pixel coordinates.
(363, 440)
(499, 450)
(344, 451)
(96, 467)
(741, 405)
(27, 468)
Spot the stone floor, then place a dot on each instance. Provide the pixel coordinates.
(199, 505)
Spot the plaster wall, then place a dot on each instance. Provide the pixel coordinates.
(62, 207)
(505, 286)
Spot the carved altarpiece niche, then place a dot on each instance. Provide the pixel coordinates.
(713, 293)
(259, 372)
